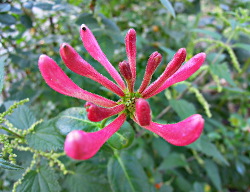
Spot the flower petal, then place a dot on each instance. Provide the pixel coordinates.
(78, 65)
(130, 43)
(171, 68)
(142, 112)
(96, 113)
(182, 133)
(92, 46)
(153, 62)
(60, 82)
(182, 74)
(81, 145)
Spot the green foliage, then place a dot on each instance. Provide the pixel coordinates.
(126, 174)
(219, 90)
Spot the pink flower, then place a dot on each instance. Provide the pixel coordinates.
(82, 145)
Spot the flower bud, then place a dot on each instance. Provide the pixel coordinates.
(96, 113)
(142, 112)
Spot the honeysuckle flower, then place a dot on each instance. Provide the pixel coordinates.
(83, 145)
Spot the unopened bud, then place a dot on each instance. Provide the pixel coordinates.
(143, 112)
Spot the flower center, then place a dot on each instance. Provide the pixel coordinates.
(129, 101)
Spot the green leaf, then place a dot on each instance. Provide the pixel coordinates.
(213, 173)
(212, 34)
(2, 60)
(87, 177)
(123, 137)
(26, 21)
(7, 165)
(74, 118)
(107, 45)
(22, 117)
(88, 19)
(7, 19)
(42, 180)
(183, 108)
(45, 137)
(204, 146)
(126, 174)
(240, 167)
(242, 46)
(169, 6)
(222, 71)
(44, 6)
(161, 147)
(4, 7)
(172, 161)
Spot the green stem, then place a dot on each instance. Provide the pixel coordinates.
(6, 129)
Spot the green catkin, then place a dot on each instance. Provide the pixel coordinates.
(202, 100)
(217, 81)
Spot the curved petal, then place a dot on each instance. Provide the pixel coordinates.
(81, 145)
(96, 113)
(60, 82)
(171, 68)
(78, 65)
(130, 43)
(182, 74)
(142, 112)
(182, 133)
(92, 46)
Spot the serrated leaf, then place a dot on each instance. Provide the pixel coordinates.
(45, 137)
(7, 19)
(4, 7)
(10, 166)
(126, 174)
(87, 177)
(42, 180)
(172, 161)
(74, 118)
(204, 146)
(169, 6)
(222, 70)
(213, 173)
(22, 117)
(123, 137)
(183, 108)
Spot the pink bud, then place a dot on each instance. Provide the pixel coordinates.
(96, 113)
(142, 112)
(127, 74)
(153, 62)
(130, 42)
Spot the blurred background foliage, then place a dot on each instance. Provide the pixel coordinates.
(220, 91)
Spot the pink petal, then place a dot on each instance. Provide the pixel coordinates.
(183, 73)
(78, 65)
(182, 133)
(153, 62)
(142, 112)
(81, 145)
(130, 42)
(96, 113)
(92, 46)
(127, 74)
(60, 82)
(171, 68)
